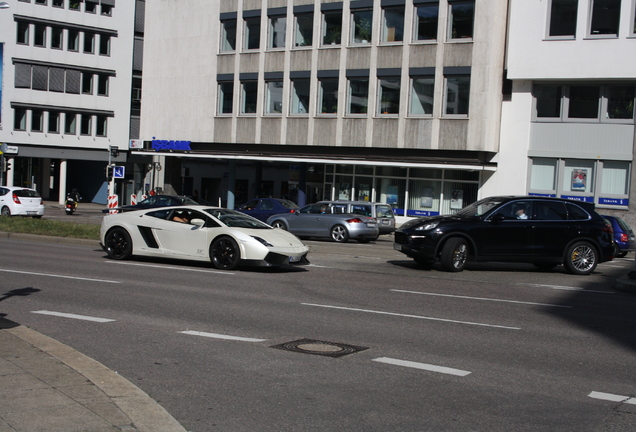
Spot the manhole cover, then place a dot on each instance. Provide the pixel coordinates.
(323, 348)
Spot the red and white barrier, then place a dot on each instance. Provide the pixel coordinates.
(113, 203)
(133, 199)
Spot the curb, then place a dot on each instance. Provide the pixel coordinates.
(48, 239)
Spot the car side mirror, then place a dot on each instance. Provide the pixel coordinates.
(497, 217)
(198, 222)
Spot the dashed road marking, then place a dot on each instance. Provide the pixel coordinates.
(189, 269)
(567, 288)
(612, 397)
(73, 316)
(422, 366)
(59, 276)
(480, 298)
(221, 336)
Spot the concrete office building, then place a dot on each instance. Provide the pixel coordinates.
(396, 101)
(568, 127)
(67, 78)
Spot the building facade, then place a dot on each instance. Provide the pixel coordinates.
(568, 127)
(396, 101)
(67, 75)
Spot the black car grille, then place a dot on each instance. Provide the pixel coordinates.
(401, 238)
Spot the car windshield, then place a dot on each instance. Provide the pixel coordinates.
(479, 208)
(384, 212)
(26, 193)
(288, 204)
(237, 219)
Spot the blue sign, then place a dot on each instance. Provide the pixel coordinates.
(119, 172)
(421, 213)
(542, 195)
(170, 145)
(614, 201)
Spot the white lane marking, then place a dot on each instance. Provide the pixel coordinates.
(412, 316)
(567, 288)
(479, 298)
(190, 269)
(422, 366)
(59, 276)
(74, 316)
(220, 336)
(612, 397)
(319, 266)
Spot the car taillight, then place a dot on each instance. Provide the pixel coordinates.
(355, 220)
(624, 237)
(16, 199)
(292, 211)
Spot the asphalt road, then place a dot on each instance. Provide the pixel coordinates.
(499, 347)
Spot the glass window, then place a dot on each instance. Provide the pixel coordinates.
(252, 33)
(393, 24)
(457, 95)
(39, 37)
(457, 196)
(548, 100)
(42, 2)
(104, 44)
(57, 37)
(54, 122)
(620, 102)
(19, 120)
(73, 40)
(563, 17)
(426, 19)
(274, 95)
(615, 178)
(90, 7)
(300, 96)
(228, 35)
(362, 25)
(226, 97)
(107, 10)
(422, 91)
(424, 196)
(391, 191)
(37, 120)
(583, 101)
(58, 3)
(249, 96)
(331, 27)
(102, 85)
(87, 82)
(304, 29)
(102, 126)
(362, 187)
(578, 176)
(543, 175)
(358, 96)
(86, 124)
(460, 16)
(89, 43)
(605, 17)
(389, 95)
(328, 95)
(74, 4)
(23, 33)
(70, 123)
(277, 31)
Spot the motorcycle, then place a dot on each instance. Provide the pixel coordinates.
(70, 205)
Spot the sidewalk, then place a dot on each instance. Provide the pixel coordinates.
(48, 386)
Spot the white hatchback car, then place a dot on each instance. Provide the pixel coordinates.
(18, 201)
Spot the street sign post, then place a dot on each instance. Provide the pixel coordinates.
(119, 172)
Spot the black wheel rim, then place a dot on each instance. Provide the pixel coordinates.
(225, 254)
(117, 244)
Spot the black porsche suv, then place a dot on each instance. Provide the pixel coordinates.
(539, 230)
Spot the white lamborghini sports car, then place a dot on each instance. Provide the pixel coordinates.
(225, 237)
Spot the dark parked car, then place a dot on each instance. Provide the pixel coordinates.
(263, 208)
(157, 201)
(624, 238)
(543, 231)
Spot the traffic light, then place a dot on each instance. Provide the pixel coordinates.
(109, 172)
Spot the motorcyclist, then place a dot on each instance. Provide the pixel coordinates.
(75, 196)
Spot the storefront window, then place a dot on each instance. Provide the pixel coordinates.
(424, 197)
(543, 174)
(461, 175)
(578, 177)
(429, 173)
(457, 196)
(343, 187)
(615, 178)
(364, 170)
(362, 188)
(391, 171)
(391, 191)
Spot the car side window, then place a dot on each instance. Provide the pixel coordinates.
(250, 205)
(576, 213)
(267, 205)
(3, 191)
(159, 214)
(548, 210)
(339, 208)
(517, 210)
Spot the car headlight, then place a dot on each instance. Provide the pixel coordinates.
(427, 226)
(263, 241)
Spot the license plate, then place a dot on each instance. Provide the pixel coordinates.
(294, 259)
(371, 225)
(32, 213)
(397, 246)
(385, 222)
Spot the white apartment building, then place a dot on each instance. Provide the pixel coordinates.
(568, 127)
(66, 80)
(396, 101)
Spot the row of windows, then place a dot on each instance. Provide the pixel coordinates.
(604, 18)
(90, 6)
(57, 79)
(88, 41)
(61, 80)
(601, 182)
(359, 101)
(425, 25)
(584, 102)
(58, 122)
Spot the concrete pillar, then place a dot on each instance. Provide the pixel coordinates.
(62, 195)
(231, 184)
(302, 185)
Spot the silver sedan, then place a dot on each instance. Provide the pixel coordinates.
(316, 220)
